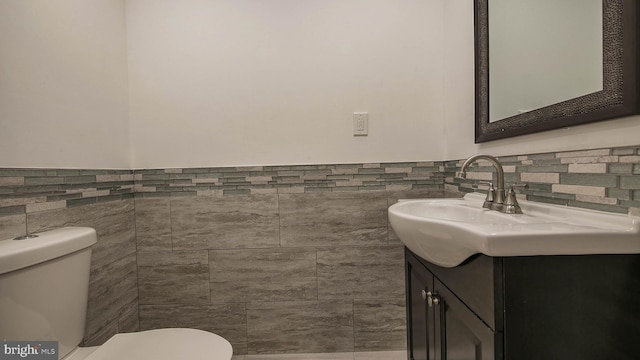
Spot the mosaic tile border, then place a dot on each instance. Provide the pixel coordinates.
(33, 190)
(602, 179)
(289, 179)
(599, 179)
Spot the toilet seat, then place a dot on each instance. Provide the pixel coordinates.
(164, 344)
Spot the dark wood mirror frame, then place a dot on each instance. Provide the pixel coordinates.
(621, 79)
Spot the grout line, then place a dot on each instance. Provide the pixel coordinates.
(135, 229)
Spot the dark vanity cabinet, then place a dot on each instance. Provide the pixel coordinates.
(520, 308)
(441, 325)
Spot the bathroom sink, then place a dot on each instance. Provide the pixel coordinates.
(448, 231)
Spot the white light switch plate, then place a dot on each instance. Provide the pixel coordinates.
(360, 124)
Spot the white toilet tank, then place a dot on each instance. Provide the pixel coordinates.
(44, 283)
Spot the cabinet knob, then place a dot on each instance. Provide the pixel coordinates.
(432, 299)
(424, 295)
(435, 299)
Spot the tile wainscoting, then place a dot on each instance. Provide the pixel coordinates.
(42, 199)
(275, 273)
(278, 259)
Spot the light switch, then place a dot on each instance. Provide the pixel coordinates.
(360, 124)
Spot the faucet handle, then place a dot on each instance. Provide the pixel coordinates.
(519, 186)
(491, 194)
(511, 205)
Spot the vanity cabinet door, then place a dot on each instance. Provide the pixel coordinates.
(440, 326)
(460, 334)
(420, 329)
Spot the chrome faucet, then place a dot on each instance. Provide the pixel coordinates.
(496, 198)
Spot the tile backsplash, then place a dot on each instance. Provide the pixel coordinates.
(276, 259)
(600, 179)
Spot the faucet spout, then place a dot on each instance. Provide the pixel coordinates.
(500, 194)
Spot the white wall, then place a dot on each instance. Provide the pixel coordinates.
(241, 82)
(459, 95)
(254, 82)
(459, 78)
(63, 84)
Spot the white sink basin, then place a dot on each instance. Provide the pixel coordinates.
(448, 231)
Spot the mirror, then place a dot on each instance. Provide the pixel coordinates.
(522, 75)
(548, 64)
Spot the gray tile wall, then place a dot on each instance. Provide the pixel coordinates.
(275, 258)
(228, 249)
(113, 286)
(278, 259)
(276, 273)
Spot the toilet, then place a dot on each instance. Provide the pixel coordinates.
(44, 285)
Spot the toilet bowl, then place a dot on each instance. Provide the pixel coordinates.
(44, 284)
(159, 344)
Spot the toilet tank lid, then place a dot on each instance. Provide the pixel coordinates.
(18, 254)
